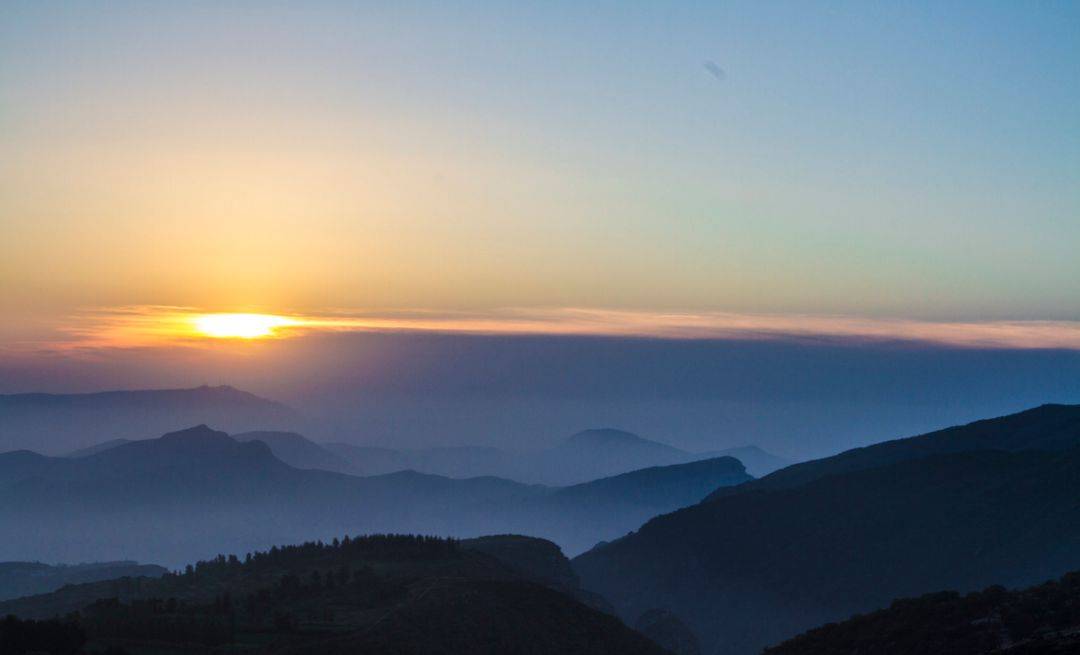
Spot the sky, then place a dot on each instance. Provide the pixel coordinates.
(668, 170)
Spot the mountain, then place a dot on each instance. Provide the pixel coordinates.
(72, 421)
(450, 461)
(298, 451)
(1041, 620)
(98, 448)
(198, 491)
(1048, 427)
(604, 452)
(658, 486)
(374, 460)
(28, 578)
(758, 462)
(379, 594)
(582, 457)
(765, 560)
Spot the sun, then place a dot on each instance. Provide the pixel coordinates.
(240, 326)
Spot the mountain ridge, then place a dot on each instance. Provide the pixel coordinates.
(849, 541)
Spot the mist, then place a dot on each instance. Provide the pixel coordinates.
(799, 398)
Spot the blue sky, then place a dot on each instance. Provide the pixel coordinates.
(912, 160)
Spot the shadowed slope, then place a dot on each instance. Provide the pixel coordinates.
(757, 564)
(381, 594)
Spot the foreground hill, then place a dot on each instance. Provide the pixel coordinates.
(27, 578)
(198, 491)
(755, 565)
(1041, 620)
(392, 594)
(65, 422)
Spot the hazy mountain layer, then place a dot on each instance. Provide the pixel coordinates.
(60, 423)
(582, 457)
(198, 492)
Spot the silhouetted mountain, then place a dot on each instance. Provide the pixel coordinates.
(199, 491)
(28, 578)
(758, 462)
(298, 451)
(381, 594)
(658, 486)
(1048, 427)
(668, 631)
(599, 453)
(585, 456)
(759, 564)
(536, 559)
(98, 448)
(69, 421)
(1041, 620)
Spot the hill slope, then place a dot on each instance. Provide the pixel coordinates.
(298, 451)
(756, 565)
(377, 594)
(1041, 620)
(28, 578)
(1048, 427)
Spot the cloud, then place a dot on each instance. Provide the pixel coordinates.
(156, 326)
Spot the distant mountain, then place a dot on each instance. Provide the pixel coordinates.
(65, 422)
(374, 460)
(198, 491)
(761, 561)
(658, 486)
(758, 462)
(1041, 620)
(298, 451)
(382, 594)
(584, 456)
(28, 578)
(604, 452)
(98, 448)
(450, 461)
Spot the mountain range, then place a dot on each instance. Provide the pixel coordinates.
(196, 492)
(993, 502)
(66, 422)
(584, 456)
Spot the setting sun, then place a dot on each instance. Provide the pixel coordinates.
(240, 326)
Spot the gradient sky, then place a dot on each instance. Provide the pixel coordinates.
(878, 160)
(867, 226)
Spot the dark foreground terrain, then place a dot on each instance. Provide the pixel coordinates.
(379, 594)
(1041, 620)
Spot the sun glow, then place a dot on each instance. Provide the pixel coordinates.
(240, 326)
